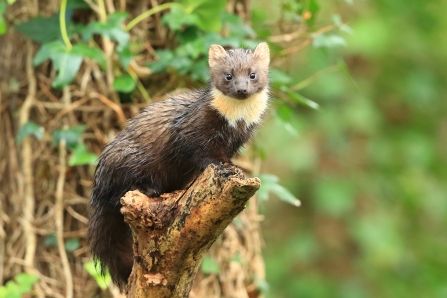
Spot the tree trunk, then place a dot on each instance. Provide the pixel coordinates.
(173, 232)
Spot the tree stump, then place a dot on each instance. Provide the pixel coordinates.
(173, 232)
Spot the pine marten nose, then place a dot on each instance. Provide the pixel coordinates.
(241, 91)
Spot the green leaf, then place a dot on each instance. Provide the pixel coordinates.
(3, 28)
(303, 100)
(177, 18)
(65, 62)
(72, 136)
(12, 290)
(267, 181)
(71, 244)
(164, 59)
(336, 18)
(192, 49)
(262, 284)
(3, 292)
(68, 66)
(199, 71)
(285, 195)
(103, 282)
(270, 184)
(237, 258)
(209, 266)
(313, 8)
(112, 29)
(45, 30)
(334, 196)
(207, 12)
(284, 113)
(25, 282)
(278, 77)
(77, 4)
(81, 156)
(124, 83)
(236, 26)
(48, 50)
(328, 41)
(125, 56)
(258, 16)
(84, 50)
(50, 240)
(30, 128)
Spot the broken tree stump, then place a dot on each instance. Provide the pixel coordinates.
(173, 232)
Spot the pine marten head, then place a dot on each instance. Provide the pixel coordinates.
(239, 73)
(239, 82)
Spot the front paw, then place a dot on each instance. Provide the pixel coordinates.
(146, 190)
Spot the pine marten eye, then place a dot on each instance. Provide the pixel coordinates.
(252, 76)
(228, 77)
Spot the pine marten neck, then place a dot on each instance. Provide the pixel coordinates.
(239, 83)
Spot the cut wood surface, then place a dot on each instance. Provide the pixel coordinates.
(173, 232)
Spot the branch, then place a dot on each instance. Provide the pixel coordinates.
(173, 232)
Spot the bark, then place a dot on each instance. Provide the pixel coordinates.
(173, 232)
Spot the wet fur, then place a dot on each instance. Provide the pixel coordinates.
(166, 146)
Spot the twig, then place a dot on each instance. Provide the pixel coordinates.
(111, 104)
(27, 167)
(287, 37)
(68, 108)
(59, 211)
(150, 12)
(63, 25)
(309, 40)
(76, 215)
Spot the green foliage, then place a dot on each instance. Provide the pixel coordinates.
(124, 83)
(283, 82)
(64, 61)
(209, 266)
(81, 156)
(50, 240)
(73, 139)
(3, 27)
(72, 136)
(262, 284)
(29, 128)
(22, 284)
(42, 30)
(102, 281)
(111, 29)
(370, 165)
(72, 244)
(205, 12)
(270, 185)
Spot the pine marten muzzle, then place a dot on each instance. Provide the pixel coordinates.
(170, 142)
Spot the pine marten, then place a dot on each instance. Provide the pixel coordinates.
(170, 142)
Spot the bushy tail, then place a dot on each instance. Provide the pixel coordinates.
(110, 240)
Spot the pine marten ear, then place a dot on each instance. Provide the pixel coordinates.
(262, 53)
(215, 55)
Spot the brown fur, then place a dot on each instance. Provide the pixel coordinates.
(169, 143)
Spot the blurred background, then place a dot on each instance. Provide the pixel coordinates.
(357, 132)
(369, 166)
